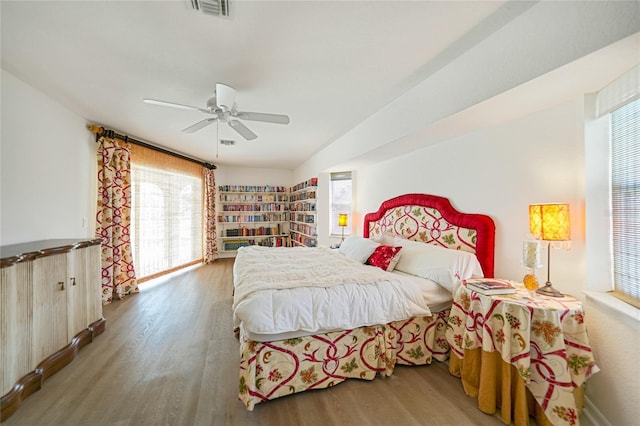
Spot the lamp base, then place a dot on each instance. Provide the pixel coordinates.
(548, 290)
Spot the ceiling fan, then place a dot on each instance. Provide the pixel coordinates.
(224, 109)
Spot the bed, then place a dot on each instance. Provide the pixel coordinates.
(288, 347)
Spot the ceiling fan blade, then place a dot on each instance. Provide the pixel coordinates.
(267, 118)
(225, 96)
(174, 105)
(199, 125)
(242, 129)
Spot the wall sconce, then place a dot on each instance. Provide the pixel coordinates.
(343, 221)
(549, 222)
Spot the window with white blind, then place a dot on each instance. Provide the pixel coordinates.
(166, 210)
(340, 192)
(625, 201)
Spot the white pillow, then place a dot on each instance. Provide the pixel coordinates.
(447, 267)
(358, 248)
(385, 239)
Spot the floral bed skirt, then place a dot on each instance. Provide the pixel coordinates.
(269, 370)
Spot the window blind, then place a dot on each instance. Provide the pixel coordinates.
(619, 92)
(167, 206)
(625, 201)
(341, 176)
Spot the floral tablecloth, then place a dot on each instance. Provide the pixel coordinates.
(545, 338)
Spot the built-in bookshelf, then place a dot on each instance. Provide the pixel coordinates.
(303, 214)
(252, 215)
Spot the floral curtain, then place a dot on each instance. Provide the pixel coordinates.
(210, 238)
(113, 219)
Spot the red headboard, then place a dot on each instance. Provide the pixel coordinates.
(433, 220)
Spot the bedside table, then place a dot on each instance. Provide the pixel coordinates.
(501, 344)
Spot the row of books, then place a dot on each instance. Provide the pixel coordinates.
(235, 244)
(301, 228)
(311, 195)
(304, 207)
(301, 217)
(250, 232)
(302, 240)
(276, 241)
(252, 188)
(302, 185)
(254, 198)
(264, 217)
(269, 207)
(489, 286)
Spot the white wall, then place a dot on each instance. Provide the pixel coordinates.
(48, 168)
(253, 176)
(615, 337)
(499, 171)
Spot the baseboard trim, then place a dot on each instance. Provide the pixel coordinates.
(32, 382)
(593, 415)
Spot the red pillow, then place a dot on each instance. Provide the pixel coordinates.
(385, 257)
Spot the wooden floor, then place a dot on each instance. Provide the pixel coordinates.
(169, 357)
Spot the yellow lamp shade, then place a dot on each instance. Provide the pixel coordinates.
(550, 222)
(343, 219)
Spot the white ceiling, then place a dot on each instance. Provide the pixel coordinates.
(360, 80)
(329, 65)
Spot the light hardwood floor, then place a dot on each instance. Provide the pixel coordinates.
(168, 357)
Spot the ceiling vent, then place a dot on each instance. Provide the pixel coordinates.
(212, 7)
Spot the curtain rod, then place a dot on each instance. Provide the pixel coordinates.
(99, 130)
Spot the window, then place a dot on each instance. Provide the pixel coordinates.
(166, 212)
(625, 201)
(340, 194)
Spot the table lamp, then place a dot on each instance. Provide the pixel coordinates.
(549, 222)
(343, 221)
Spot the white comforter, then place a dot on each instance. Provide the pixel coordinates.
(287, 292)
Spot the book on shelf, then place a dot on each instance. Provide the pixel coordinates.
(236, 244)
(489, 286)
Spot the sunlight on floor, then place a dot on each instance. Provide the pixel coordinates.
(147, 285)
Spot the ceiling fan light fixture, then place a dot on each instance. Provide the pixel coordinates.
(212, 105)
(227, 142)
(225, 97)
